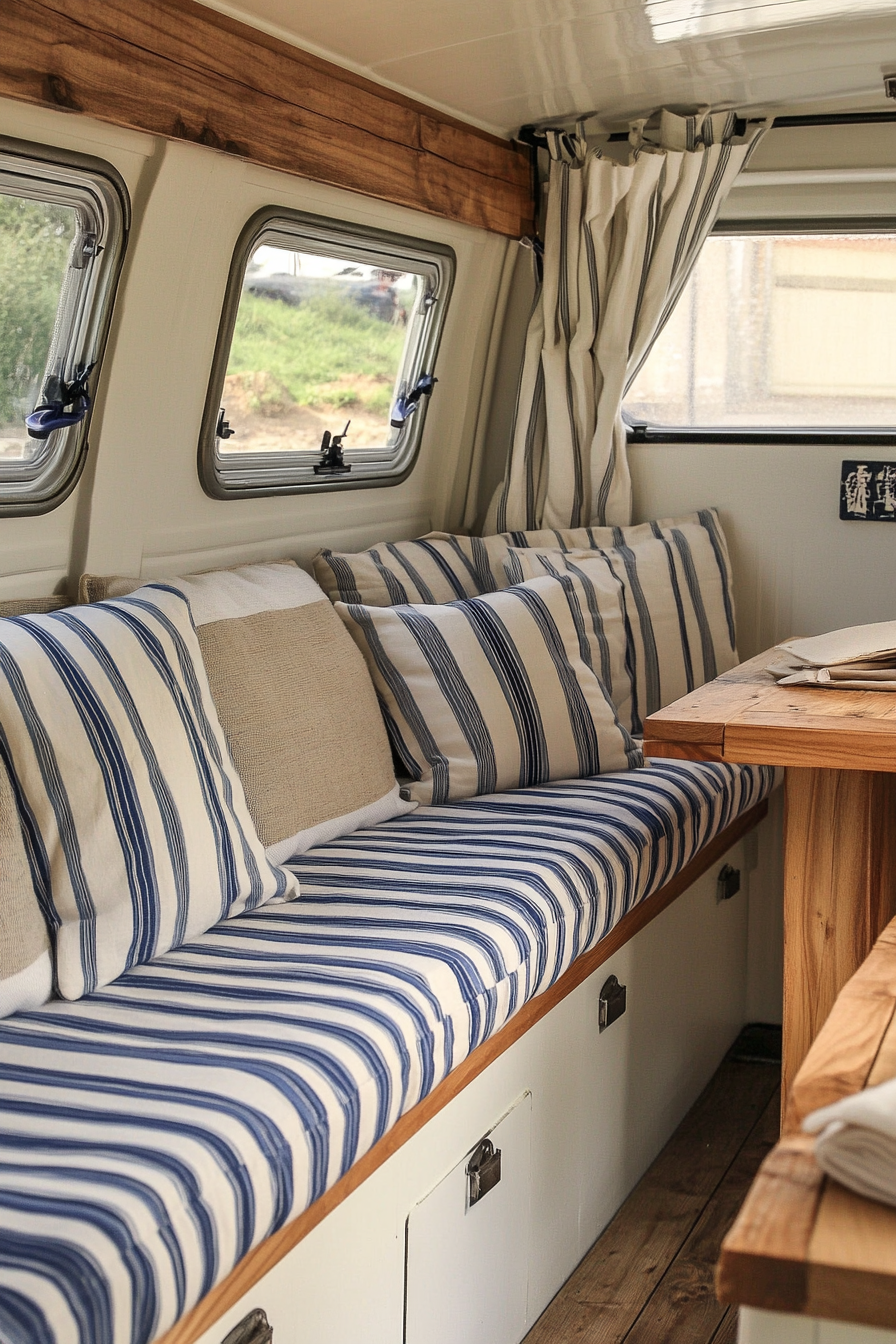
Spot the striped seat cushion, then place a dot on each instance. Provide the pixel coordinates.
(135, 821)
(679, 606)
(154, 1132)
(492, 692)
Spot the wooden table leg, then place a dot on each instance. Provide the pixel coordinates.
(839, 891)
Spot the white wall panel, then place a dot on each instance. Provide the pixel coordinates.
(149, 513)
(798, 569)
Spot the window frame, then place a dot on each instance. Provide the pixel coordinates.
(247, 475)
(45, 173)
(643, 431)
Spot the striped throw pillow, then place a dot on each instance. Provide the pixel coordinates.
(433, 569)
(134, 818)
(679, 607)
(443, 567)
(492, 692)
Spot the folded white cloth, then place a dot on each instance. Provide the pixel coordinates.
(856, 1141)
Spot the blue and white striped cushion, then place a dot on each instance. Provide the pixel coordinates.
(443, 567)
(154, 1132)
(493, 692)
(433, 569)
(135, 820)
(679, 606)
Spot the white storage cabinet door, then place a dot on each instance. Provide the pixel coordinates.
(468, 1265)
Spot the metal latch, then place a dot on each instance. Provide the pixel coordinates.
(728, 883)
(252, 1329)
(483, 1171)
(611, 1003)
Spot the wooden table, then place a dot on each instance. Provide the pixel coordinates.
(839, 750)
(802, 1242)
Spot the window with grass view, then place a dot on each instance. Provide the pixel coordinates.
(327, 332)
(35, 242)
(783, 330)
(62, 233)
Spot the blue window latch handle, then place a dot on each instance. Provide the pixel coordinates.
(68, 407)
(407, 403)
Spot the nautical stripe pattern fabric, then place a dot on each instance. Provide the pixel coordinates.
(153, 1133)
(135, 821)
(679, 605)
(433, 569)
(620, 241)
(443, 568)
(493, 692)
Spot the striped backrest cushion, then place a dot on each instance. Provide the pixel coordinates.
(492, 692)
(135, 821)
(679, 607)
(433, 569)
(443, 567)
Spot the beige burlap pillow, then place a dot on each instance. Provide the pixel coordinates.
(26, 973)
(31, 606)
(296, 704)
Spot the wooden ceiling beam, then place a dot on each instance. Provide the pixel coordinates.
(178, 69)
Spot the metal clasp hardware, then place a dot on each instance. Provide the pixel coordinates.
(483, 1171)
(252, 1329)
(611, 1003)
(727, 883)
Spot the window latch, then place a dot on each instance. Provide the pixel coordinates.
(86, 248)
(407, 402)
(52, 413)
(331, 462)
(222, 429)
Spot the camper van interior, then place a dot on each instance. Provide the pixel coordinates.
(447, 672)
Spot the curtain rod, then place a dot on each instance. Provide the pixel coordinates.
(535, 135)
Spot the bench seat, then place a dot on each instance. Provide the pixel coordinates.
(155, 1131)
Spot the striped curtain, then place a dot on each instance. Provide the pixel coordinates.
(620, 243)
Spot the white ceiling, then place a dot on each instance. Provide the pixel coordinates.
(501, 63)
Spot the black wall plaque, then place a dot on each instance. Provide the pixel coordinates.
(868, 492)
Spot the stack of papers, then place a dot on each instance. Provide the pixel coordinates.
(861, 658)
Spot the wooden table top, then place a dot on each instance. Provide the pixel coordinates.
(745, 716)
(802, 1242)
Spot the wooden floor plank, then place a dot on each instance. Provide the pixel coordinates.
(684, 1307)
(727, 1331)
(603, 1298)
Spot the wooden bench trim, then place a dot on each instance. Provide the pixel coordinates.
(265, 1256)
(178, 69)
(802, 1242)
